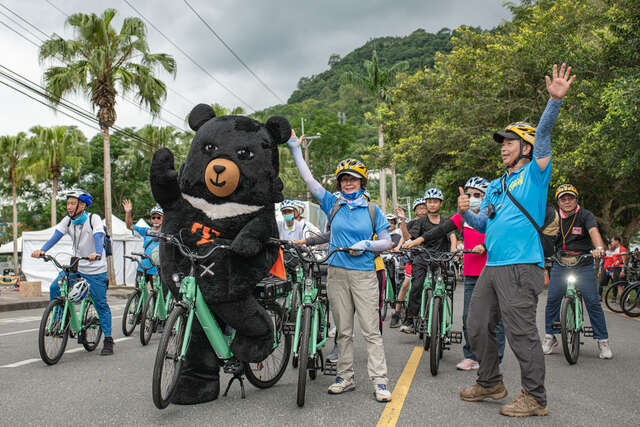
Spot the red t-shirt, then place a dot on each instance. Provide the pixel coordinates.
(616, 257)
(473, 263)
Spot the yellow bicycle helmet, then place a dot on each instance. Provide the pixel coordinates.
(352, 167)
(566, 189)
(522, 130)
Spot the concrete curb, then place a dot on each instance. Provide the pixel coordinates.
(115, 292)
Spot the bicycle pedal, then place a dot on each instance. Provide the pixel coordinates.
(456, 337)
(330, 368)
(587, 331)
(233, 367)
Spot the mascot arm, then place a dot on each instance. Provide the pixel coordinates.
(251, 239)
(164, 178)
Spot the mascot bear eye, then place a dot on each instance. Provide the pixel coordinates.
(210, 147)
(244, 154)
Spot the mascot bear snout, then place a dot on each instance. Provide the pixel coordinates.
(222, 177)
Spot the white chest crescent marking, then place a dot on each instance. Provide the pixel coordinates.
(223, 210)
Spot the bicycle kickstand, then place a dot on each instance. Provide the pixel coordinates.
(234, 367)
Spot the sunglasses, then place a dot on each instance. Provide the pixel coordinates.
(156, 217)
(477, 195)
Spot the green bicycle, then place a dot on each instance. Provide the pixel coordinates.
(60, 319)
(137, 299)
(435, 319)
(572, 312)
(177, 332)
(389, 298)
(156, 310)
(312, 317)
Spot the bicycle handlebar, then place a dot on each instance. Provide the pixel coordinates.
(436, 256)
(184, 249)
(302, 251)
(47, 258)
(579, 258)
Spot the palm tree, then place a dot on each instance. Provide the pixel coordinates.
(100, 61)
(51, 150)
(12, 152)
(378, 82)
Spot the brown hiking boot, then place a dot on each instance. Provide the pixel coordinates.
(477, 393)
(524, 405)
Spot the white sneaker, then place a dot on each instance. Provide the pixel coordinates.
(381, 393)
(342, 385)
(467, 365)
(549, 344)
(605, 350)
(332, 332)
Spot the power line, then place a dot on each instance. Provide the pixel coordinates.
(27, 22)
(19, 24)
(204, 70)
(137, 105)
(234, 53)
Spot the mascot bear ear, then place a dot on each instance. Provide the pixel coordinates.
(279, 128)
(200, 114)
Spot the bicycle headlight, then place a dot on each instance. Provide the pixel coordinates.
(176, 278)
(571, 279)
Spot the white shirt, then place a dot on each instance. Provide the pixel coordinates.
(298, 230)
(83, 243)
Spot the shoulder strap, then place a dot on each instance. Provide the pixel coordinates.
(334, 210)
(90, 224)
(524, 211)
(372, 215)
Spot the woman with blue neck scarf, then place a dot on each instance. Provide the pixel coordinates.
(352, 284)
(87, 236)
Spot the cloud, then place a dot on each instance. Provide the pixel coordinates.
(280, 40)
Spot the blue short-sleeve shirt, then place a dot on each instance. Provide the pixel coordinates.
(510, 236)
(149, 244)
(350, 225)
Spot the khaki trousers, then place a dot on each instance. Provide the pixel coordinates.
(351, 292)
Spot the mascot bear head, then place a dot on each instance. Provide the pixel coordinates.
(233, 159)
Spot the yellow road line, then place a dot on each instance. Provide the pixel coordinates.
(620, 314)
(392, 411)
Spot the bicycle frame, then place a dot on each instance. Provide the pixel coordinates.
(572, 292)
(310, 298)
(447, 309)
(161, 310)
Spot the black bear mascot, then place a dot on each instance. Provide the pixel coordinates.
(224, 194)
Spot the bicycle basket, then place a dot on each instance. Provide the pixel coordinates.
(271, 287)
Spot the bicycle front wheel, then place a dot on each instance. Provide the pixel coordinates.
(91, 330)
(52, 335)
(166, 368)
(630, 300)
(147, 322)
(303, 355)
(268, 372)
(570, 335)
(131, 315)
(435, 344)
(610, 297)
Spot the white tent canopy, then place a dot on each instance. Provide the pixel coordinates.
(7, 248)
(123, 243)
(142, 223)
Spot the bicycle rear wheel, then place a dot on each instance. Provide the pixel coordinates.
(268, 372)
(52, 340)
(303, 355)
(570, 336)
(147, 321)
(610, 297)
(91, 330)
(435, 344)
(631, 300)
(131, 315)
(166, 368)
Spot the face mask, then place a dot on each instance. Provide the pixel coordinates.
(80, 219)
(352, 196)
(288, 217)
(475, 203)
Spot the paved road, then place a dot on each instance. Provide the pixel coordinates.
(86, 388)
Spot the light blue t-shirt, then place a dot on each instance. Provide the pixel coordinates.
(350, 225)
(149, 244)
(510, 236)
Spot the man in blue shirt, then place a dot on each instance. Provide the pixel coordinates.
(149, 243)
(513, 277)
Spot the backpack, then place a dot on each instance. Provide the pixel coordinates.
(108, 249)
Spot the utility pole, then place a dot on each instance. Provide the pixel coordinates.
(306, 142)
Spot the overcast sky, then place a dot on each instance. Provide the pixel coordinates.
(279, 40)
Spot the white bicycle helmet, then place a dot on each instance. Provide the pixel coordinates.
(299, 206)
(433, 193)
(78, 291)
(417, 202)
(288, 204)
(391, 217)
(81, 195)
(155, 256)
(478, 183)
(157, 209)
